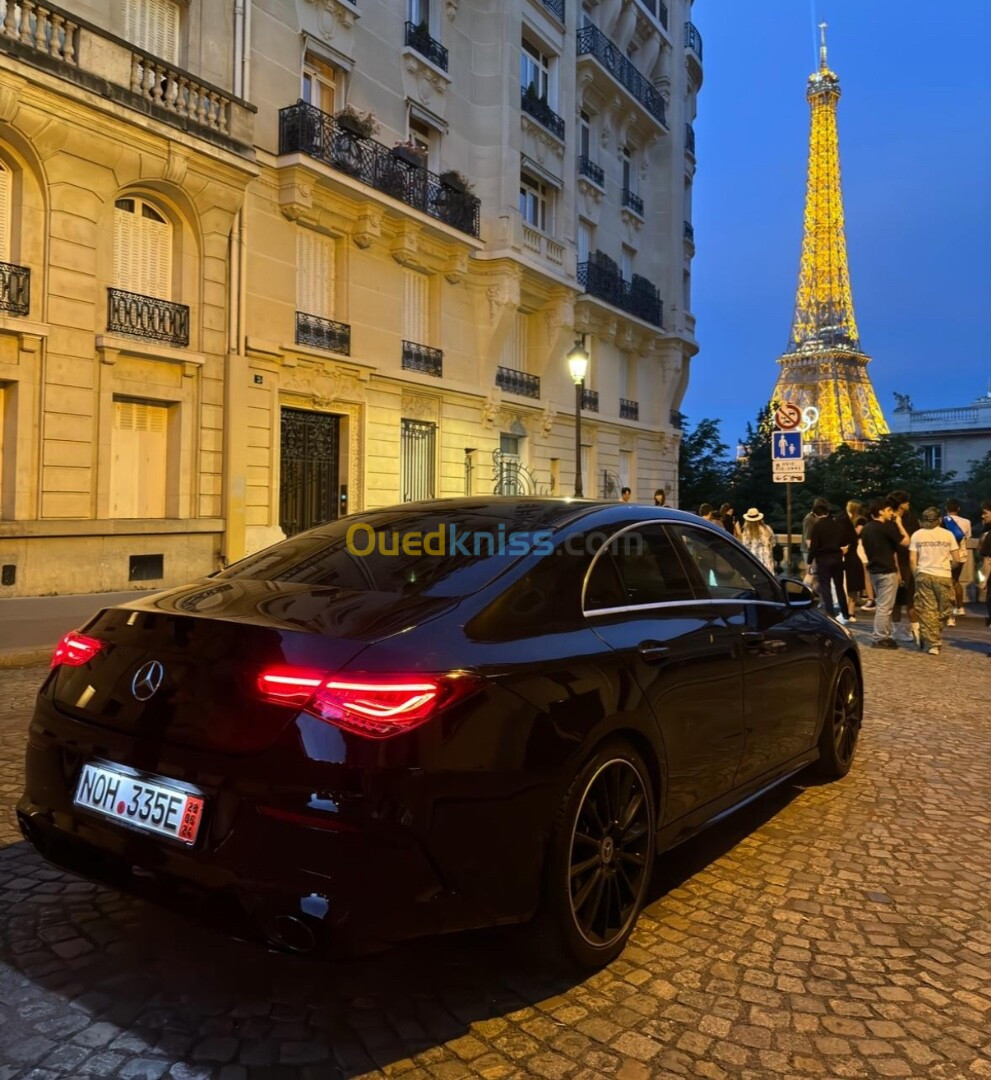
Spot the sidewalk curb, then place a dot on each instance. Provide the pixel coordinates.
(21, 658)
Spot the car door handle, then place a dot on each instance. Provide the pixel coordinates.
(755, 641)
(652, 652)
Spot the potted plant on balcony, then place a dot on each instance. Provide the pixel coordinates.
(411, 152)
(361, 124)
(456, 181)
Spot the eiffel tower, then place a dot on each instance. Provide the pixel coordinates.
(824, 365)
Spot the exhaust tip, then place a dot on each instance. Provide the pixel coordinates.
(292, 933)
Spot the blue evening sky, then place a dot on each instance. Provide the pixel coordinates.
(915, 155)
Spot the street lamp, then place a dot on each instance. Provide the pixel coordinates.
(578, 366)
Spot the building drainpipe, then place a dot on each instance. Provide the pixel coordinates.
(242, 48)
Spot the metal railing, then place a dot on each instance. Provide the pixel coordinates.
(690, 139)
(147, 317)
(320, 333)
(600, 277)
(693, 39)
(557, 6)
(418, 37)
(514, 381)
(629, 410)
(632, 201)
(15, 288)
(595, 173)
(541, 112)
(592, 42)
(304, 129)
(590, 400)
(423, 359)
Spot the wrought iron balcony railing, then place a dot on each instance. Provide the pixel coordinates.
(541, 112)
(15, 288)
(592, 42)
(557, 6)
(587, 167)
(690, 233)
(418, 37)
(423, 359)
(600, 277)
(320, 333)
(693, 39)
(629, 410)
(690, 139)
(304, 129)
(632, 201)
(514, 381)
(590, 400)
(147, 317)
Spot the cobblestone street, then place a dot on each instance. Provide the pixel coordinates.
(827, 931)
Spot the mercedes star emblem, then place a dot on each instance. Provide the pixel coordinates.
(147, 680)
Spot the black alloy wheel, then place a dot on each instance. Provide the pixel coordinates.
(841, 726)
(603, 854)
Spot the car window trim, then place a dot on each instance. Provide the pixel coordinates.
(677, 540)
(697, 602)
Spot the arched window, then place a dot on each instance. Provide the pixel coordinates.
(142, 249)
(5, 186)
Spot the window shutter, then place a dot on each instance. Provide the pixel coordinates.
(415, 308)
(153, 25)
(521, 343)
(156, 258)
(126, 263)
(5, 204)
(315, 256)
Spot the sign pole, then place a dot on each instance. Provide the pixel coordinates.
(788, 526)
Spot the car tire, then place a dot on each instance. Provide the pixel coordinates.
(841, 724)
(601, 855)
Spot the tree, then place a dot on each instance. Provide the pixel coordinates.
(976, 489)
(703, 469)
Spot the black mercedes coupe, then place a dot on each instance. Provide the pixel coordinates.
(435, 716)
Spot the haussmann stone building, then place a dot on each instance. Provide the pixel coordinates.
(268, 262)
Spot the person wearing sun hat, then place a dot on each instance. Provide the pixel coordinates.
(933, 550)
(757, 537)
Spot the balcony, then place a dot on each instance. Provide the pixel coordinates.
(629, 410)
(693, 52)
(418, 38)
(689, 140)
(538, 108)
(423, 359)
(58, 42)
(556, 7)
(595, 173)
(147, 317)
(15, 288)
(632, 201)
(592, 42)
(304, 129)
(320, 333)
(600, 277)
(541, 245)
(518, 382)
(690, 236)
(590, 400)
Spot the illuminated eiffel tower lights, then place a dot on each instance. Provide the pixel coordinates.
(824, 365)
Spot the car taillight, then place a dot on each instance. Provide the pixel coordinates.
(74, 650)
(376, 706)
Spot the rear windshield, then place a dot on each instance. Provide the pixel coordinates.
(434, 552)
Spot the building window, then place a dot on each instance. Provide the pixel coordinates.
(536, 203)
(153, 25)
(416, 307)
(516, 349)
(418, 458)
(418, 12)
(315, 274)
(626, 263)
(584, 135)
(628, 157)
(427, 138)
(586, 239)
(932, 455)
(686, 290)
(628, 377)
(142, 249)
(588, 473)
(626, 470)
(320, 85)
(139, 459)
(535, 72)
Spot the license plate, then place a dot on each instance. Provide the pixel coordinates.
(140, 801)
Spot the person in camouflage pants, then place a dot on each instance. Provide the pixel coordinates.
(932, 551)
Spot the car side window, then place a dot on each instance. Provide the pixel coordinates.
(727, 572)
(639, 566)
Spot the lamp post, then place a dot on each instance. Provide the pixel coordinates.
(578, 366)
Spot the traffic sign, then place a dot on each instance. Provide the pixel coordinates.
(786, 446)
(788, 416)
(789, 478)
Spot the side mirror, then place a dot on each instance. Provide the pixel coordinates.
(797, 594)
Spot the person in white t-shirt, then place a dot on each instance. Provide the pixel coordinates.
(932, 552)
(953, 511)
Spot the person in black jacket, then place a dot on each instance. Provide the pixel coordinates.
(826, 551)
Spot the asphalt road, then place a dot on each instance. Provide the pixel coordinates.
(835, 930)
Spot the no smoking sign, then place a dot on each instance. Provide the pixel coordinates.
(788, 416)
